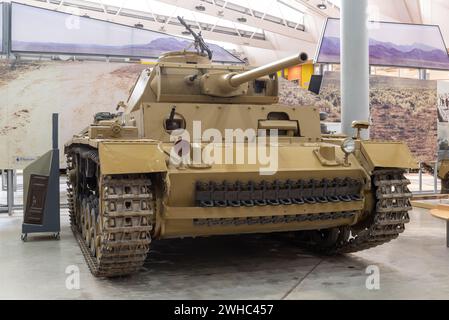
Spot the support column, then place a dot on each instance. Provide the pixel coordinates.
(354, 64)
(6, 36)
(422, 73)
(10, 190)
(322, 68)
(319, 69)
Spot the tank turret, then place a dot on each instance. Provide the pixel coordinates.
(190, 76)
(230, 84)
(186, 76)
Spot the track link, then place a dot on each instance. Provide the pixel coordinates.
(114, 228)
(70, 191)
(386, 224)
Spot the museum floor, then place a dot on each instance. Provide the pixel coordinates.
(238, 267)
(416, 266)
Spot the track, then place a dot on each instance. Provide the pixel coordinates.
(387, 222)
(113, 227)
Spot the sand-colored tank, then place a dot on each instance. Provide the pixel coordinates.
(171, 166)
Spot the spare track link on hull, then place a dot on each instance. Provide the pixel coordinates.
(125, 224)
(388, 221)
(327, 216)
(274, 193)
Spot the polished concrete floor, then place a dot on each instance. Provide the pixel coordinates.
(416, 266)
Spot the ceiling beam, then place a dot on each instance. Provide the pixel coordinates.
(225, 13)
(414, 10)
(312, 9)
(150, 25)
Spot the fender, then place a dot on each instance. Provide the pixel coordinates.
(387, 155)
(122, 157)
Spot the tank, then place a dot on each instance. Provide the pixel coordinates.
(139, 175)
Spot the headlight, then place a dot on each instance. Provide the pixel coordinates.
(348, 146)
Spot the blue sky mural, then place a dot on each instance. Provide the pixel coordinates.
(392, 44)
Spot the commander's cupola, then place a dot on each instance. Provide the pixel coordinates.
(185, 57)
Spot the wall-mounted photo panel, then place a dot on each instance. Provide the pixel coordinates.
(32, 90)
(443, 119)
(45, 31)
(391, 44)
(400, 109)
(1, 27)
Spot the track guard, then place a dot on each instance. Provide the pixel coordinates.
(388, 155)
(128, 157)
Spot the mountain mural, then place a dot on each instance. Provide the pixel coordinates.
(153, 49)
(416, 55)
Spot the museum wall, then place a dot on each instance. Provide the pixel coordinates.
(293, 95)
(32, 91)
(443, 119)
(260, 56)
(401, 109)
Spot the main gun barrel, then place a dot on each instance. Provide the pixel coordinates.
(233, 84)
(270, 68)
